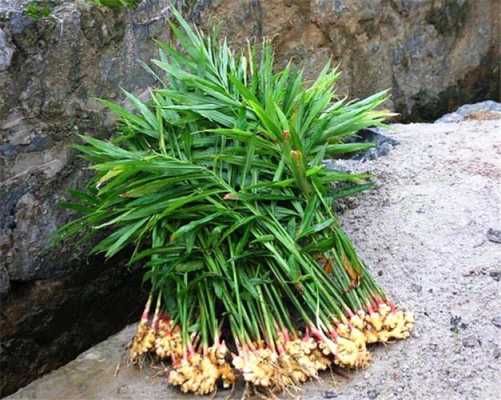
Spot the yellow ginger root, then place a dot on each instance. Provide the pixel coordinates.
(293, 372)
(183, 376)
(384, 309)
(308, 345)
(319, 361)
(217, 354)
(358, 319)
(401, 327)
(199, 374)
(264, 372)
(294, 358)
(351, 347)
(163, 339)
(371, 335)
(188, 374)
(258, 367)
(168, 342)
(142, 343)
(376, 320)
(352, 333)
(351, 355)
(210, 375)
(144, 339)
(358, 338)
(327, 347)
(386, 324)
(347, 346)
(392, 319)
(228, 376)
(309, 356)
(295, 363)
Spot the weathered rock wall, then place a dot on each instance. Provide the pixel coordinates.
(54, 302)
(55, 69)
(432, 54)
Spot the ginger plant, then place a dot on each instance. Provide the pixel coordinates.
(217, 187)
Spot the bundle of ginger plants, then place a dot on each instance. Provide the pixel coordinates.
(218, 188)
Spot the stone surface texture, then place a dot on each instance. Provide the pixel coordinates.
(422, 232)
(432, 54)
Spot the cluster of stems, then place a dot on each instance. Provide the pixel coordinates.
(269, 349)
(284, 331)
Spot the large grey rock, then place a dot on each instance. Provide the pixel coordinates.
(54, 301)
(487, 109)
(61, 63)
(46, 323)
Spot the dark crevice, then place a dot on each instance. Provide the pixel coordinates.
(47, 323)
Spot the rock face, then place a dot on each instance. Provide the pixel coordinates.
(432, 54)
(54, 69)
(54, 302)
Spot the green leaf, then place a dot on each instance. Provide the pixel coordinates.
(189, 266)
(194, 225)
(118, 239)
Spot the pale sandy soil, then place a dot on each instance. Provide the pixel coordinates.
(423, 232)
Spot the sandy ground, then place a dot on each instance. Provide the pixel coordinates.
(424, 233)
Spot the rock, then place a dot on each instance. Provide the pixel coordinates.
(385, 149)
(496, 353)
(329, 394)
(20, 22)
(470, 341)
(496, 275)
(416, 288)
(4, 282)
(473, 111)
(47, 323)
(349, 165)
(484, 116)
(6, 52)
(450, 118)
(457, 324)
(96, 369)
(62, 63)
(382, 143)
(494, 235)
(7, 150)
(372, 394)
(487, 105)
(496, 321)
(50, 72)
